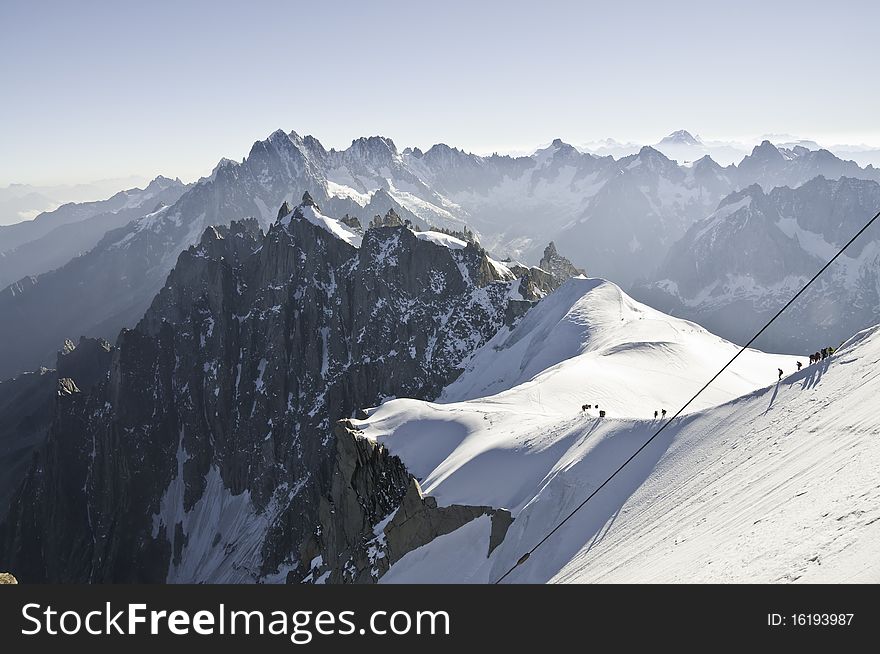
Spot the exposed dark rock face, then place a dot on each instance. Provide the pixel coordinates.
(27, 406)
(25, 415)
(376, 513)
(208, 452)
(353, 223)
(390, 219)
(284, 210)
(557, 265)
(554, 270)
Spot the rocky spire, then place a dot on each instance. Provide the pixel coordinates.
(285, 209)
(557, 265)
(307, 201)
(390, 219)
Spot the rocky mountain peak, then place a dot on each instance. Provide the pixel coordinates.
(390, 219)
(557, 265)
(681, 137)
(222, 403)
(766, 151)
(314, 146)
(160, 183)
(307, 201)
(284, 210)
(706, 162)
(279, 136)
(753, 191)
(373, 149)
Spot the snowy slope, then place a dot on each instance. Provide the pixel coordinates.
(775, 485)
(587, 341)
(331, 225)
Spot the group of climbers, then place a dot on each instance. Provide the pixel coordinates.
(587, 407)
(816, 357)
(824, 353)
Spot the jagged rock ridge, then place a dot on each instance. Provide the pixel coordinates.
(207, 451)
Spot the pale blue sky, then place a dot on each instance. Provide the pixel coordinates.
(104, 89)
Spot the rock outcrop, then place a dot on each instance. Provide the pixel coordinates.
(207, 450)
(27, 405)
(557, 265)
(375, 513)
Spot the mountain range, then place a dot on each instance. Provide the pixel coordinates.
(372, 383)
(54, 238)
(732, 271)
(685, 147)
(221, 404)
(617, 218)
(23, 202)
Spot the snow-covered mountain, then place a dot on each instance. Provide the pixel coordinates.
(628, 225)
(220, 407)
(759, 481)
(736, 268)
(159, 190)
(684, 147)
(74, 229)
(618, 218)
(24, 202)
(771, 166)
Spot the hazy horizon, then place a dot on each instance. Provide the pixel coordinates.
(101, 90)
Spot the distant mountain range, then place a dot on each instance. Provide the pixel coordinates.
(617, 218)
(22, 202)
(733, 271)
(684, 147)
(55, 237)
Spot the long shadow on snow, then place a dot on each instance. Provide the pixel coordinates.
(568, 487)
(594, 521)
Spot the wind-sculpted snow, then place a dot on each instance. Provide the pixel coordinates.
(776, 484)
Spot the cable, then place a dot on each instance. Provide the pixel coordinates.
(525, 557)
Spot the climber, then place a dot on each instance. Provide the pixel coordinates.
(655, 415)
(663, 413)
(780, 372)
(799, 365)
